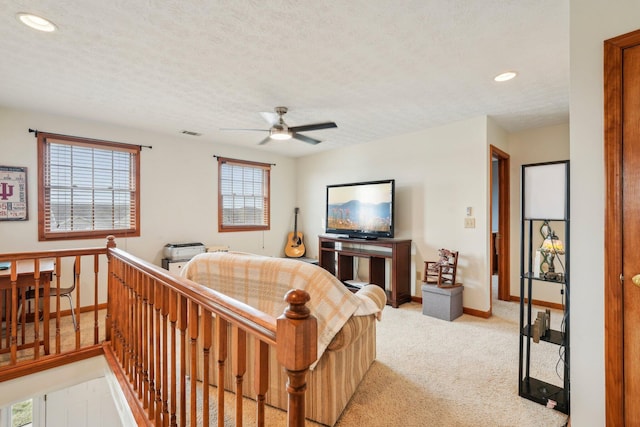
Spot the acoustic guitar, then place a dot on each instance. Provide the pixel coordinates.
(295, 246)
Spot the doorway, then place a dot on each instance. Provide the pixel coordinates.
(500, 215)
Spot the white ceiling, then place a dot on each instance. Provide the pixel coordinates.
(377, 68)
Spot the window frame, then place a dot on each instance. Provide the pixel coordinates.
(266, 170)
(44, 235)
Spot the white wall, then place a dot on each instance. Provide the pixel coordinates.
(178, 188)
(438, 173)
(50, 380)
(532, 146)
(81, 388)
(592, 22)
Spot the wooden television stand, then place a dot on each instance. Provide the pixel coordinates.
(336, 254)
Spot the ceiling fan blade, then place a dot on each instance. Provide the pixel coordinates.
(305, 138)
(264, 141)
(257, 130)
(316, 126)
(270, 117)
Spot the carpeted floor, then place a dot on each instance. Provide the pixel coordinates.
(431, 372)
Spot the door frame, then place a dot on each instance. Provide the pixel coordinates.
(613, 256)
(504, 216)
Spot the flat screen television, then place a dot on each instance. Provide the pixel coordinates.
(361, 209)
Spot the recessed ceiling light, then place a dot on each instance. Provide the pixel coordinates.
(36, 22)
(505, 76)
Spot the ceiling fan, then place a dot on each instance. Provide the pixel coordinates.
(280, 131)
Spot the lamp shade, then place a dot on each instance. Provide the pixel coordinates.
(545, 190)
(552, 245)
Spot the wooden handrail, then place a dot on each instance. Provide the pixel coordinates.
(27, 326)
(62, 253)
(153, 333)
(255, 321)
(151, 309)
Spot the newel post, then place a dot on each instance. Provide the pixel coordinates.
(111, 243)
(297, 343)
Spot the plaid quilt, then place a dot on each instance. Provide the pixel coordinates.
(262, 282)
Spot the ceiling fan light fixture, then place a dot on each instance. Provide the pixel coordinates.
(36, 22)
(280, 134)
(505, 76)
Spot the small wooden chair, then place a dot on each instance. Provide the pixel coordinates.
(442, 272)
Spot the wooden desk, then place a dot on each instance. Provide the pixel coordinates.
(14, 285)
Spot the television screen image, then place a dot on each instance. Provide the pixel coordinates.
(363, 209)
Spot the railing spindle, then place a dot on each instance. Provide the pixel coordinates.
(261, 381)
(57, 272)
(182, 326)
(222, 327)
(239, 367)
(206, 363)
(36, 315)
(151, 351)
(14, 312)
(145, 342)
(96, 291)
(193, 353)
(173, 318)
(165, 364)
(157, 344)
(138, 328)
(77, 269)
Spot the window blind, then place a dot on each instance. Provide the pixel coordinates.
(243, 194)
(89, 187)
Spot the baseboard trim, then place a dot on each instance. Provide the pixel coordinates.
(84, 309)
(476, 313)
(465, 310)
(487, 314)
(541, 303)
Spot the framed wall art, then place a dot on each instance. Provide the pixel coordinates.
(13, 193)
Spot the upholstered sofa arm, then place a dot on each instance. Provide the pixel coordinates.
(372, 300)
(349, 332)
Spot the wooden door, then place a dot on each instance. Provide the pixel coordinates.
(631, 231)
(622, 228)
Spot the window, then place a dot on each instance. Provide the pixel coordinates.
(21, 414)
(243, 195)
(87, 188)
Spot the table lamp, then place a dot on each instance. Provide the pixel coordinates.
(552, 246)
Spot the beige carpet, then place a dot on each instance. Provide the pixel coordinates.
(431, 372)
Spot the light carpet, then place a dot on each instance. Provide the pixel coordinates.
(431, 372)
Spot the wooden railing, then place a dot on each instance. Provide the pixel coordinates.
(149, 333)
(38, 333)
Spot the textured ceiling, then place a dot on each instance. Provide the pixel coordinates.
(377, 68)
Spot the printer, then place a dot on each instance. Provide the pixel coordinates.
(182, 251)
